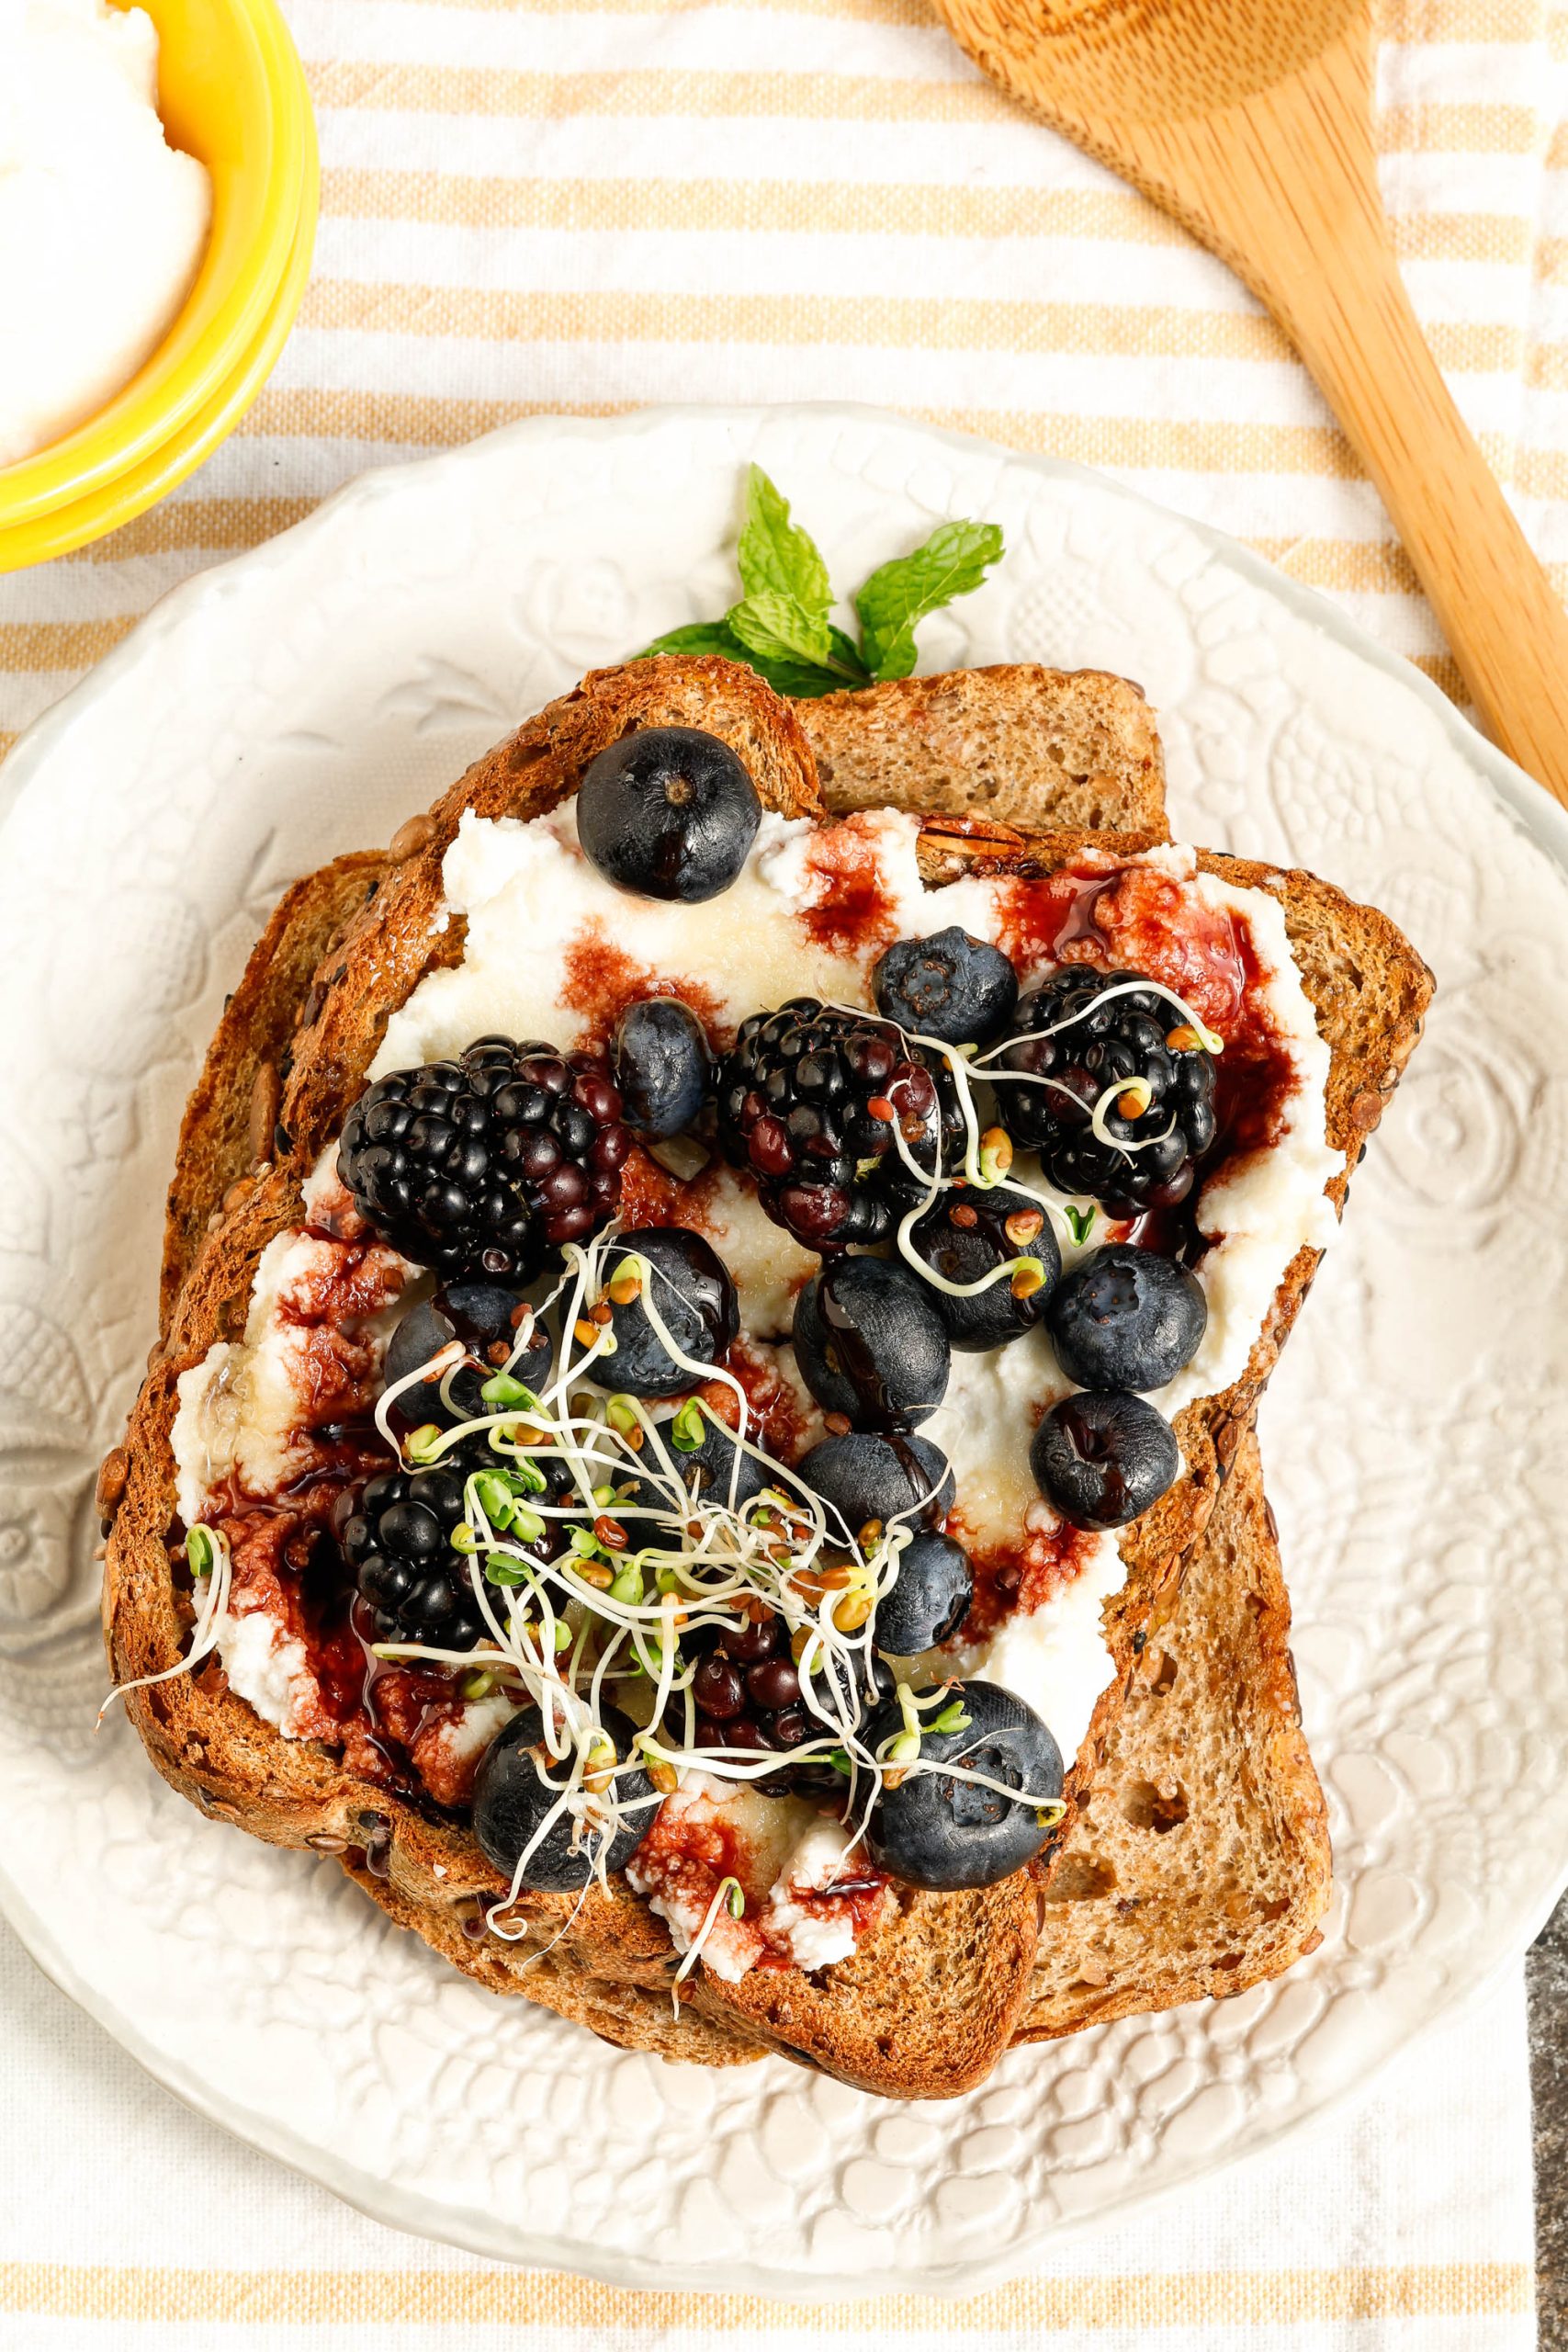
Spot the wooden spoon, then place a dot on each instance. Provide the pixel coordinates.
(1251, 122)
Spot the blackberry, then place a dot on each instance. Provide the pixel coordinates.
(748, 1696)
(809, 1099)
(396, 1532)
(1084, 1041)
(482, 1164)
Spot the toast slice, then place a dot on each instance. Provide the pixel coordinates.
(1210, 1724)
(1037, 749)
(211, 1746)
(1199, 1864)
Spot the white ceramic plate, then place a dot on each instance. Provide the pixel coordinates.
(304, 700)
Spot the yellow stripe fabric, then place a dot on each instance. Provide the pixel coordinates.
(1155, 2301)
(583, 204)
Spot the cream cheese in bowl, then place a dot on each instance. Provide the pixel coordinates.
(102, 222)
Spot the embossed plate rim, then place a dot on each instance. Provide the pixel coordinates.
(1528, 807)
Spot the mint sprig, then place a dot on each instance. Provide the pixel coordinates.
(781, 628)
(954, 559)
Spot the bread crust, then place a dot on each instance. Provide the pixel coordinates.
(1200, 1864)
(857, 2020)
(1032, 747)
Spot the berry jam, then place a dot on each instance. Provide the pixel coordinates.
(1012, 1579)
(599, 980)
(854, 912)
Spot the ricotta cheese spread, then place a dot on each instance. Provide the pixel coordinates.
(102, 223)
(785, 1857)
(270, 1667)
(555, 952)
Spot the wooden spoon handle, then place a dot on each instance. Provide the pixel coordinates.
(1285, 187)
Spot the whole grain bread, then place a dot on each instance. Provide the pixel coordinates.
(1040, 749)
(1199, 1862)
(211, 1746)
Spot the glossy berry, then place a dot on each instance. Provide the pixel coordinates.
(1126, 1318)
(396, 1532)
(1103, 1457)
(870, 1343)
(930, 1597)
(668, 812)
(481, 1315)
(813, 1102)
(865, 1478)
(512, 1798)
(695, 1298)
(482, 1164)
(664, 1066)
(1086, 1040)
(748, 1692)
(949, 986)
(936, 1832)
(963, 1237)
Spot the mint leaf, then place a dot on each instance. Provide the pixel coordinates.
(899, 594)
(697, 636)
(774, 555)
(774, 625)
(800, 681)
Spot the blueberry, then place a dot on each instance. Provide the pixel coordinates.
(963, 1239)
(668, 812)
(479, 1314)
(708, 1471)
(864, 1478)
(662, 1065)
(511, 1798)
(871, 1344)
(949, 986)
(1126, 1319)
(930, 1597)
(937, 1832)
(1103, 1457)
(695, 1298)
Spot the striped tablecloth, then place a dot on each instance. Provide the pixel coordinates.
(587, 205)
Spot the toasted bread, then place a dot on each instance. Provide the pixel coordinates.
(1368, 990)
(1038, 748)
(1198, 1863)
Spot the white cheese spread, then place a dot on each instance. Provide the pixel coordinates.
(786, 1858)
(102, 223)
(244, 1413)
(548, 941)
(270, 1668)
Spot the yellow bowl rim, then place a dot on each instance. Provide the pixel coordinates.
(103, 509)
(106, 446)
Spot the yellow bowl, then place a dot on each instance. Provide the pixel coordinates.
(232, 91)
(113, 502)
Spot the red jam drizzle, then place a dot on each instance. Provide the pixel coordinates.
(777, 1423)
(1012, 1579)
(691, 1849)
(854, 909)
(283, 1554)
(650, 1195)
(599, 980)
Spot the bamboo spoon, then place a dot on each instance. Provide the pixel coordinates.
(1251, 122)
